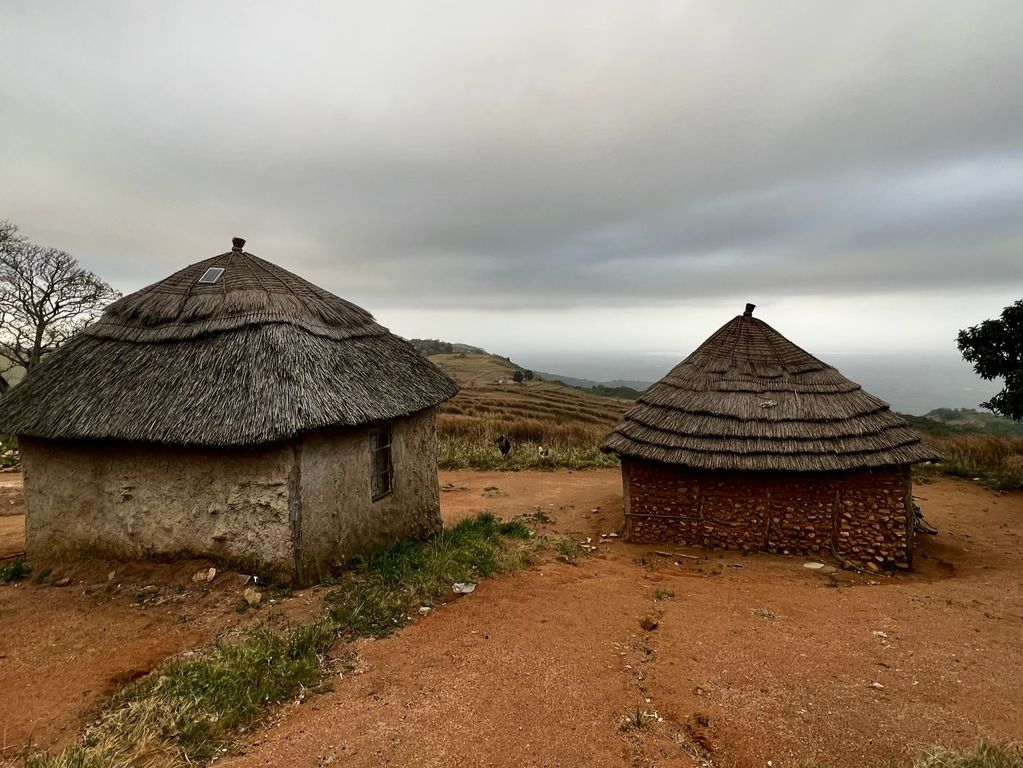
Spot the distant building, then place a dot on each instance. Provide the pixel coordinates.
(231, 411)
(751, 443)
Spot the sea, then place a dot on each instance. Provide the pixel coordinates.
(914, 383)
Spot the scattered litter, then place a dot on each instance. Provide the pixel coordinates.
(813, 566)
(463, 587)
(424, 609)
(110, 576)
(876, 685)
(880, 634)
(62, 582)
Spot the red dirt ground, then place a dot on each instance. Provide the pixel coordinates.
(753, 658)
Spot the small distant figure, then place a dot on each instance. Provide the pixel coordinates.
(504, 445)
(545, 453)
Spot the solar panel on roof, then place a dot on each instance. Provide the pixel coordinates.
(212, 275)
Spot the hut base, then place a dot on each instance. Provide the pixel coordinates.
(863, 517)
(291, 512)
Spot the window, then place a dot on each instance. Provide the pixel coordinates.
(381, 469)
(211, 275)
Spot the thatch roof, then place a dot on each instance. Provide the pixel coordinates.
(257, 356)
(749, 399)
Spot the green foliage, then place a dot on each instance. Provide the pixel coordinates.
(427, 347)
(15, 570)
(377, 601)
(963, 421)
(622, 392)
(995, 347)
(519, 377)
(10, 456)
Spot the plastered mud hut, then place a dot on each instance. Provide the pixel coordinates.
(752, 443)
(233, 411)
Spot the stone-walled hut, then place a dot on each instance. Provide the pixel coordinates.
(233, 411)
(752, 443)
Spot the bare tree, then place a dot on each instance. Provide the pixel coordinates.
(45, 298)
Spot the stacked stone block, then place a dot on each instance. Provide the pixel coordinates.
(862, 516)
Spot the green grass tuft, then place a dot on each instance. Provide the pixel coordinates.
(15, 570)
(377, 601)
(188, 712)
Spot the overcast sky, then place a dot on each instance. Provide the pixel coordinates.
(540, 175)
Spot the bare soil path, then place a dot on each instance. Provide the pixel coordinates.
(753, 658)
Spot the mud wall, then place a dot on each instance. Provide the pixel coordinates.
(864, 515)
(338, 518)
(131, 500)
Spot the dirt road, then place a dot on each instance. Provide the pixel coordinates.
(753, 658)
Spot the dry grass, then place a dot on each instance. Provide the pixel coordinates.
(997, 461)
(569, 423)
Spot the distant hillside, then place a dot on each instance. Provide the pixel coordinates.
(963, 421)
(620, 388)
(427, 347)
(567, 422)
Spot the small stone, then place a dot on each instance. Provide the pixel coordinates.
(813, 566)
(649, 623)
(463, 587)
(878, 686)
(252, 597)
(110, 576)
(424, 609)
(62, 582)
(204, 576)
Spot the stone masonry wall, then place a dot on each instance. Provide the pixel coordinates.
(863, 514)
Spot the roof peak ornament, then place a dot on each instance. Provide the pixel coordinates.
(747, 313)
(237, 243)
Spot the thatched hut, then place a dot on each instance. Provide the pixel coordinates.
(752, 443)
(233, 411)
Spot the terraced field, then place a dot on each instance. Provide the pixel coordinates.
(569, 422)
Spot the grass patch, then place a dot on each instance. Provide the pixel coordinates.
(377, 601)
(985, 755)
(637, 720)
(663, 594)
(15, 570)
(188, 712)
(996, 461)
(457, 453)
(569, 550)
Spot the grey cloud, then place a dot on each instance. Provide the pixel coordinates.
(525, 154)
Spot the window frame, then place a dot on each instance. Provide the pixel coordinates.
(381, 475)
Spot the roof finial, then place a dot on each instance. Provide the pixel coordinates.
(749, 310)
(237, 243)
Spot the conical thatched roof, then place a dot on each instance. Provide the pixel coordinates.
(749, 399)
(257, 356)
